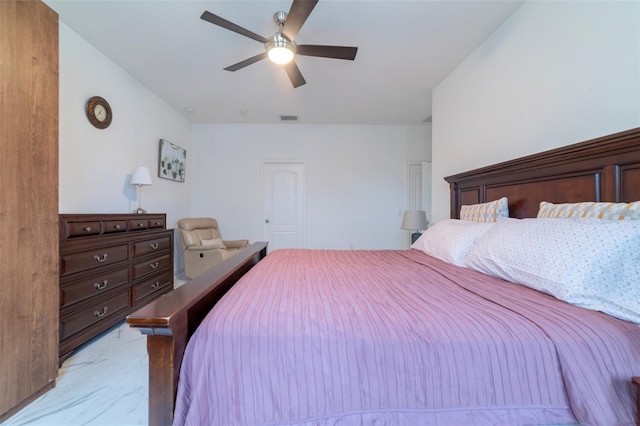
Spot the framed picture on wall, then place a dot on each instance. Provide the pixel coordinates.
(172, 161)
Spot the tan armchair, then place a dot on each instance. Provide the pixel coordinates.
(202, 245)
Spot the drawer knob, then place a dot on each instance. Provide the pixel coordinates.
(140, 225)
(154, 245)
(101, 314)
(87, 229)
(101, 286)
(116, 226)
(155, 285)
(100, 259)
(154, 265)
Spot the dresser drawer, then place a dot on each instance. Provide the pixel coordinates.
(138, 224)
(92, 286)
(81, 229)
(110, 226)
(140, 248)
(82, 261)
(156, 223)
(157, 284)
(150, 266)
(93, 312)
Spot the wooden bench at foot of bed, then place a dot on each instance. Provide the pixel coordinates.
(170, 321)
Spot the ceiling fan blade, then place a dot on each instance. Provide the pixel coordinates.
(221, 22)
(298, 14)
(336, 52)
(294, 74)
(246, 62)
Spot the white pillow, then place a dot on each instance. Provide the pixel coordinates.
(213, 243)
(591, 263)
(485, 212)
(451, 240)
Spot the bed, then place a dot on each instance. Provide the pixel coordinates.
(459, 360)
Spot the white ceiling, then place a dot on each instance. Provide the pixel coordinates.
(405, 49)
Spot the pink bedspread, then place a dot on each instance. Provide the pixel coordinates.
(318, 337)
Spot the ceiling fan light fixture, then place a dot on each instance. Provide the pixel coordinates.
(280, 55)
(280, 50)
(281, 47)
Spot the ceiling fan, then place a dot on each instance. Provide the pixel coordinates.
(281, 47)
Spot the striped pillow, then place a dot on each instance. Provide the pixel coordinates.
(611, 211)
(485, 212)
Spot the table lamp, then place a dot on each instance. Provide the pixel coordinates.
(414, 220)
(140, 177)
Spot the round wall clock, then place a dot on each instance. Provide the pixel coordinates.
(99, 112)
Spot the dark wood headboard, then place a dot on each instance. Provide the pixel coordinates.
(602, 169)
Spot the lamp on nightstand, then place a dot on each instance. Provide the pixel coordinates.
(414, 219)
(140, 177)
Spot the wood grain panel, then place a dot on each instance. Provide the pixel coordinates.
(29, 206)
(470, 196)
(525, 197)
(629, 182)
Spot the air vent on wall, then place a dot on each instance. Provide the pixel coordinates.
(288, 118)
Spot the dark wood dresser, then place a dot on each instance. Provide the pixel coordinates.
(110, 265)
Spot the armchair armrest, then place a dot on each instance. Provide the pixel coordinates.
(202, 248)
(236, 243)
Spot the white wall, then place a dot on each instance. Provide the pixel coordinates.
(356, 178)
(553, 74)
(96, 165)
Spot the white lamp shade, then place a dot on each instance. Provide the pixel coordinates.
(141, 177)
(414, 219)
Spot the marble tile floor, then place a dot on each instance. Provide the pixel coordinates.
(105, 383)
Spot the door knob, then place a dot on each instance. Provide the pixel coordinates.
(267, 221)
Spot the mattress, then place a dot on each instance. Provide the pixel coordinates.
(319, 337)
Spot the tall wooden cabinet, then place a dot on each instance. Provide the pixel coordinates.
(28, 202)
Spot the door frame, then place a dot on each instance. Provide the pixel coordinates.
(414, 185)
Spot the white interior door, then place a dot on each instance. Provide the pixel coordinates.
(283, 204)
